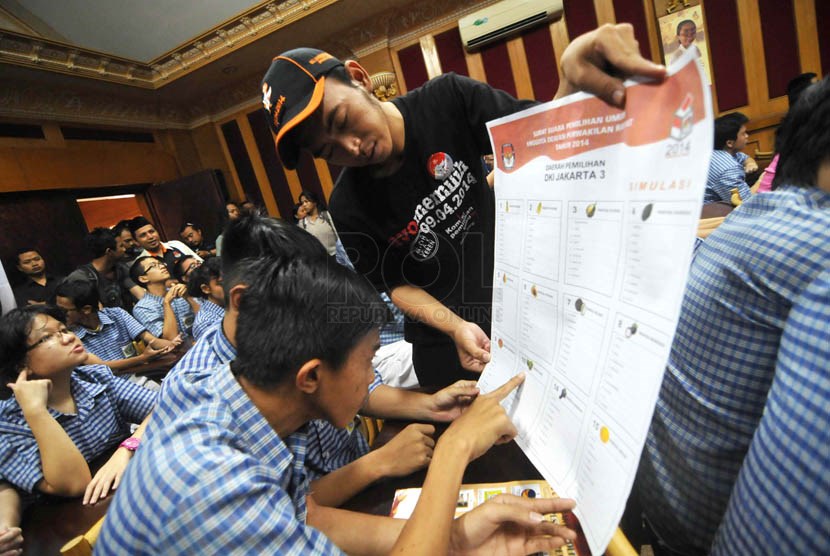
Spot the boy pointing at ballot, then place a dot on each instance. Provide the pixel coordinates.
(227, 475)
(412, 206)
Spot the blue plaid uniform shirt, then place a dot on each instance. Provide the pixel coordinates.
(742, 283)
(149, 311)
(726, 172)
(329, 448)
(115, 339)
(217, 479)
(393, 330)
(209, 314)
(781, 502)
(106, 405)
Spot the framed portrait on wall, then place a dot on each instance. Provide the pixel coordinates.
(685, 30)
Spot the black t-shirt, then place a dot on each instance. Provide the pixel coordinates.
(32, 291)
(431, 224)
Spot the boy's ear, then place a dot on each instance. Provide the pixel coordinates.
(234, 296)
(358, 74)
(308, 377)
(88, 310)
(205, 289)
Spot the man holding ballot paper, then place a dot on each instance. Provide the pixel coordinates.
(412, 206)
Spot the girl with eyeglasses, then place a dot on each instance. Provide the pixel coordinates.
(62, 413)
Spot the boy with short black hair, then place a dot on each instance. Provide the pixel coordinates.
(166, 313)
(729, 166)
(109, 332)
(205, 283)
(230, 467)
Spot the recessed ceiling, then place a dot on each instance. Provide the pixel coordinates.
(137, 30)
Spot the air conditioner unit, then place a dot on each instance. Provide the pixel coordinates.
(505, 18)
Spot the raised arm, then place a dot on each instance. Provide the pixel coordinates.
(598, 61)
(65, 471)
(431, 529)
(170, 328)
(388, 402)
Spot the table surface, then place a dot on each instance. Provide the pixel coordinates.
(50, 523)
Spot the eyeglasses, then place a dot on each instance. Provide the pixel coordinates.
(51, 337)
(151, 266)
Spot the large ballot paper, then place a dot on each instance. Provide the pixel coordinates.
(596, 212)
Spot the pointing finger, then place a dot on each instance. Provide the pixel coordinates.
(504, 390)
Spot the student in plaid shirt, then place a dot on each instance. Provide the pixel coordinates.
(337, 459)
(743, 284)
(785, 477)
(205, 284)
(62, 414)
(108, 332)
(227, 473)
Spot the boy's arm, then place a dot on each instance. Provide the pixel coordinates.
(11, 536)
(170, 329)
(388, 402)
(109, 476)
(65, 471)
(407, 452)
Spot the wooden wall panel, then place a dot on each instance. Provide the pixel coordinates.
(307, 172)
(270, 160)
(541, 62)
(241, 161)
(51, 222)
(823, 24)
(581, 17)
(633, 12)
(497, 65)
(81, 164)
(725, 47)
(451, 52)
(412, 65)
(780, 55)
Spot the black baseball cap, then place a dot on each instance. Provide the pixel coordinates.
(292, 90)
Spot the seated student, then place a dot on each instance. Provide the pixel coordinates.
(147, 236)
(192, 235)
(228, 471)
(184, 267)
(166, 313)
(337, 458)
(729, 166)
(108, 333)
(742, 285)
(786, 472)
(62, 414)
(39, 285)
(206, 284)
(108, 271)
